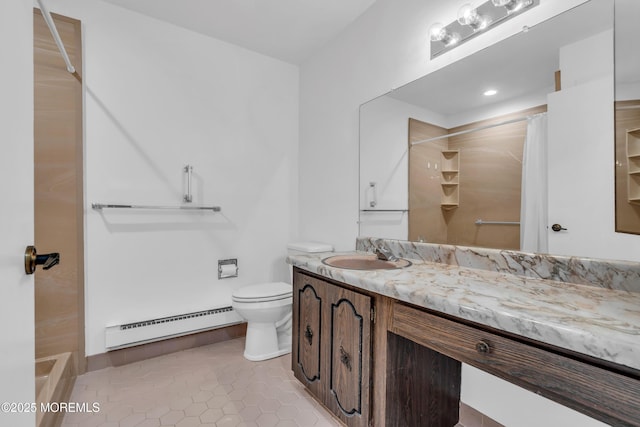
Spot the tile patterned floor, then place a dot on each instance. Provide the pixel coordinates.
(206, 386)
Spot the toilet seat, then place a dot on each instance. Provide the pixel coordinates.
(263, 292)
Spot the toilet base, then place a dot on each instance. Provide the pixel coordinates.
(264, 342)
(258, 358)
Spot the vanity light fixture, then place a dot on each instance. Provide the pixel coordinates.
(472, 21)
(438, 33)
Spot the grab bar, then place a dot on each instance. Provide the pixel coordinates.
(374, 202)
(187, 198)
(189, 171)
(481, 222)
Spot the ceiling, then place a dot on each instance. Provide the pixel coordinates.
(289, 30)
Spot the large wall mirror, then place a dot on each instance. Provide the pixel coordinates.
(627, 104)
(443, 161)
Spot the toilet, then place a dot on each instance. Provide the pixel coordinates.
(267, 309)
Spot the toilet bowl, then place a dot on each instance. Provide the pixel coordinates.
(267, 309)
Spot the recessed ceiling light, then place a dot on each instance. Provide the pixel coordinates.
(490, 92)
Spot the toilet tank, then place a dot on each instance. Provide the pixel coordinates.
(308, 247)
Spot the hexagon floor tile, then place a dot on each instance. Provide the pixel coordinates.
(209, 386)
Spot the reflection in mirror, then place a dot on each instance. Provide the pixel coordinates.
(442, 159)
(627, 92)
(480, 164)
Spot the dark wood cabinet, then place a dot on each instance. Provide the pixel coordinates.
(306, 360)
(332, 346)
(403, 369)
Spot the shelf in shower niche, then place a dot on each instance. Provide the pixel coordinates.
(449, 206)
(633, 166)
(450, 179)
(100, 206)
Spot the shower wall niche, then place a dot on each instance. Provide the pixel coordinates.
(457, 180)
(450, 178)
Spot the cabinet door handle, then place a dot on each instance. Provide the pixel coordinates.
(308, 334)
(483, 347)
(345, 358)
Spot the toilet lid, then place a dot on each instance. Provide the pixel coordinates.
(263, 292)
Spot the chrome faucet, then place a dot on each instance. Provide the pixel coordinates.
(383, 253)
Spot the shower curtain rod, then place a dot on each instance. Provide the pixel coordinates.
(56, 37)
(462, 132)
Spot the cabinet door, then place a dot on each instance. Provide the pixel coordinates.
(306, 357)
(349, 345)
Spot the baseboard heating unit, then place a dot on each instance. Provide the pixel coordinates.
(136, 333)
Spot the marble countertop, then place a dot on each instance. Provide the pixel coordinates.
(598, 322)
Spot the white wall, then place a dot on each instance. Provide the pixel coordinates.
(385, 48)
(513, 406)
(17, 384)
(158, 97)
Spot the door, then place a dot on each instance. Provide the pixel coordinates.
(581, 170)
(581, 153)
(306, 357)
(349, 335)
(17, 384)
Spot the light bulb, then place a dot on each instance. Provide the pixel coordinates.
(437, 32)
(468, 15)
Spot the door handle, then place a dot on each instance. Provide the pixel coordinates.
(557, 227)
(31, 259)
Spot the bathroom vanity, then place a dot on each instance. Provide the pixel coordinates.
(385, 347)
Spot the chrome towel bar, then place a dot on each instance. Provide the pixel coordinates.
(481, 222)
(100, 206)
(384, 210)
(187, 198)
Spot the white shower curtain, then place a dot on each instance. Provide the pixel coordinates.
(533, 207)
